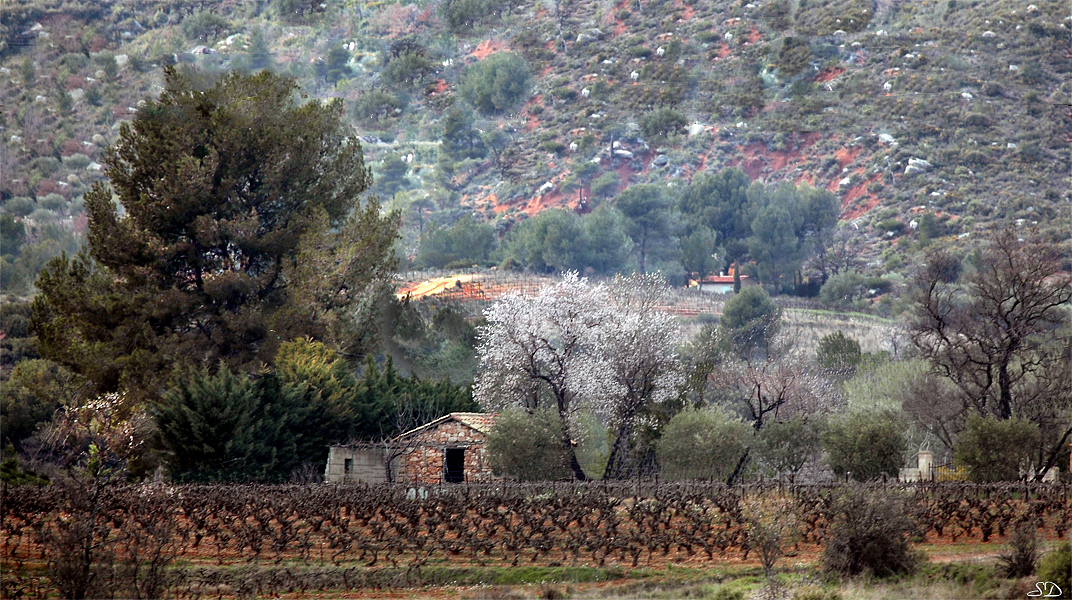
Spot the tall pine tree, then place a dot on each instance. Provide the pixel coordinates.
(241, 228)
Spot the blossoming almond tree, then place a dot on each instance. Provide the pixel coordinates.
(640, 347)
(577, 346)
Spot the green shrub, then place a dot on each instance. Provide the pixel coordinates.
(553, 147)
(376, 107)
(106, 61)
(793, 56)
(460, 138)
(20, 206)
(584, 170)
(1056, 566)
(73, 62)
(46, 165)
(750, 319)
(496, 83)
(204, 26)
(662, 122)
(869, 533)
(994, 450)
(838, 351)
(777, 14)
(93, 96)
(891, 225)
(783, 447)
(43, 215)
(32, 394)
(408, 68)
(843, 290)
(466, 242)
(606, 185)
(12, 237)
(703, 444)
(76, 161)
(527, 446)
(52, 202)
(866, 445)
(824, 18)
(334, 66)
(298, 11)
(461, 15)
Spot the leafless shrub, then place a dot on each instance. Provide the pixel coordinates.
(869, 534)
(1022, 555)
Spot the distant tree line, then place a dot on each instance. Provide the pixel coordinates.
(772, 232)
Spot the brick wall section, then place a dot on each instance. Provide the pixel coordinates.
(423, 461)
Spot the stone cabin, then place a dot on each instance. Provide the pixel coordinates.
(450, 449)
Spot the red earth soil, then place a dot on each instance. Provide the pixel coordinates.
(760, 162)
(828, 74)
(845, 156)
(757, 156)
(488, 47)
(689, 12)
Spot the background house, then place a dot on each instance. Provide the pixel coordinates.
(721, 283)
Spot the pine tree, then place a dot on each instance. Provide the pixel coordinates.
(242, 228)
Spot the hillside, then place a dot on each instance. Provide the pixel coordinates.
(948, 109)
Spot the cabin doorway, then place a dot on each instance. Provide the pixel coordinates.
(454, 465)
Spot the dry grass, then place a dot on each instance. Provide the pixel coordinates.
(873, 333)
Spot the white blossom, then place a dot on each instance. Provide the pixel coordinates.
(579, 347)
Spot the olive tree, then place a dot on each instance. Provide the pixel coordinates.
(707, 443)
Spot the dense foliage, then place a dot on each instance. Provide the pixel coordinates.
(525, 446)
(703, 444)
(224, 426)
(822, 150)
(866, 446)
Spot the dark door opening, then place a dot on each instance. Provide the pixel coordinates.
(454, 465)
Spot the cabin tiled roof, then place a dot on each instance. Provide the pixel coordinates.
(482, 422)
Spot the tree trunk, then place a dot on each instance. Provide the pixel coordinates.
(617, 453)
(1005, 387)
(578, 472)
(567, 443)
(1051, 455)
(732, 479)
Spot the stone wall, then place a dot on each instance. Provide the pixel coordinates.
(422, 459)
(366, 465)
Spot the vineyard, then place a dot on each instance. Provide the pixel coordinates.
(353, 533)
